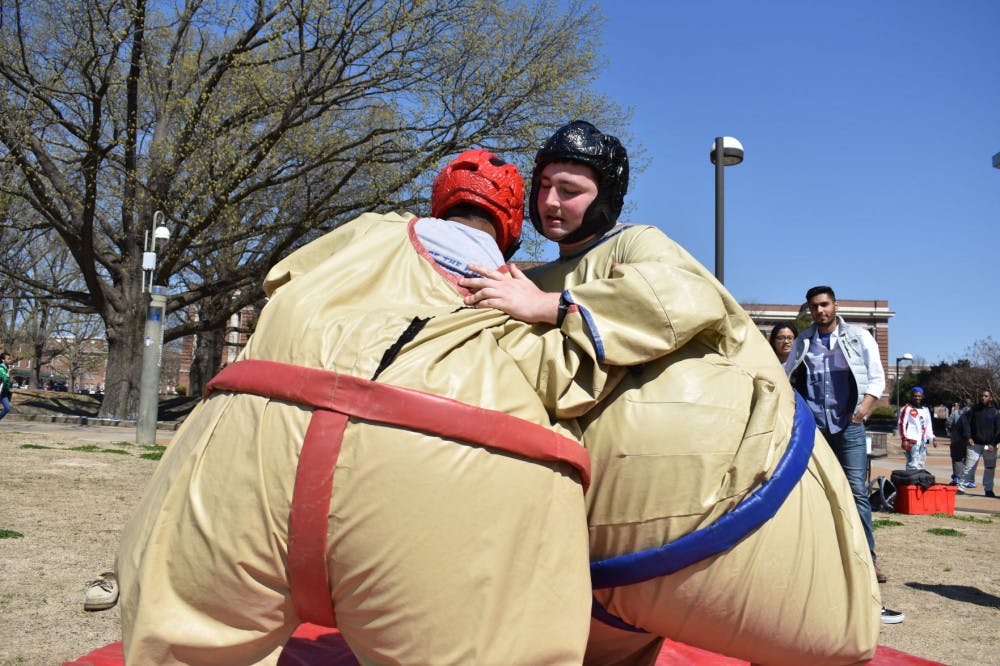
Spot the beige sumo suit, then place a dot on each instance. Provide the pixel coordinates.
(439, 550)
(436, 550)
(689, 438)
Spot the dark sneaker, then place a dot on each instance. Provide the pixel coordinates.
(879, 576)
(891, 616)
(101, 593)
(990, 493)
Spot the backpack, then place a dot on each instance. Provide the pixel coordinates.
(882, 496)
(913, 477)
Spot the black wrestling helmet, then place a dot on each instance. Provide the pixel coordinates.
(581, 142)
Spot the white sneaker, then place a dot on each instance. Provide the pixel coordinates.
(891, 616)
(101, 593)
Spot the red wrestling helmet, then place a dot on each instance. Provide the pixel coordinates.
(480, 178)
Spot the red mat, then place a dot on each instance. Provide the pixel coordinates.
(311, 644)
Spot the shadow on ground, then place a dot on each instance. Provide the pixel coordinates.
(27, 401)
(972, 595)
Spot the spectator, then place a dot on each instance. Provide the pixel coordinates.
(781, 339)
(916, 429)
(5, 393)
(953, 426)
(837, 369)
(981, 431)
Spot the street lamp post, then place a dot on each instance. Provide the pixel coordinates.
(726, 151)
(152, 340)
(905, 357)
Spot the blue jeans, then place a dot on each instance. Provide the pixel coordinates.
(916, 456)
(850, 448)
(4, 406)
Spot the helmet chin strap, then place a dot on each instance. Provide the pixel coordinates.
(576, 236)
(514, 247)
(588, 228)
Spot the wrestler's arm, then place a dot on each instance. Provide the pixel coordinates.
(653, 300)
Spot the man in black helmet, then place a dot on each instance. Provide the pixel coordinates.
(694, 416)
(606, 272)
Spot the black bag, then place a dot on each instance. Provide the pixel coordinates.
(913, 477)
(883, 495)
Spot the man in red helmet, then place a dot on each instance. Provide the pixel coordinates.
(446, 513)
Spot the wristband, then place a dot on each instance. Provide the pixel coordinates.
(561, 312)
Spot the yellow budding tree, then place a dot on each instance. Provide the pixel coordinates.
(255, 126)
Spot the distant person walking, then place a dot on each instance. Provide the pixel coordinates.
(959, 443)
(916, 429)
(781, 339)
(5, 393)
(981, 430)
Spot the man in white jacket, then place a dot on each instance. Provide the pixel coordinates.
(916, 429)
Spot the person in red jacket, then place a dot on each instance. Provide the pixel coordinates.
(916, 429)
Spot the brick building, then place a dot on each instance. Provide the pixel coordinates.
(237, 333)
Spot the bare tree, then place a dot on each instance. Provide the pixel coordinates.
(40, 325)
(255, 126)
(80, 348)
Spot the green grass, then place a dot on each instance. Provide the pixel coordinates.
(945, 531)
(10, 534)
(122, 449)
(885, 522)
(94, 448)
(153, 452)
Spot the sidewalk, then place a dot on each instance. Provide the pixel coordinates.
(938, 464)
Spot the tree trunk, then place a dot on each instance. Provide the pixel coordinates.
(36, 365)
(121, 380)
(207, 358)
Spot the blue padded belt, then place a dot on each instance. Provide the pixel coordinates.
(721, 535)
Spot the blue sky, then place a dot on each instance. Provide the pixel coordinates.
(869, 128)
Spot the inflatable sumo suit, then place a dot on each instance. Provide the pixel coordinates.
(691, 454)
(455, 528)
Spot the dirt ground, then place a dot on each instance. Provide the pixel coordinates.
(70, 501)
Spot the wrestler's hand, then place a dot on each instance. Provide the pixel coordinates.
(512, 293)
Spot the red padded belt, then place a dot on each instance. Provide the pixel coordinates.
(335, 397)
(416, 410)
(307, 521)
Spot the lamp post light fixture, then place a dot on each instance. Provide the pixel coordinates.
(905, 357)
(152, 339)
(726, 151)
